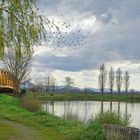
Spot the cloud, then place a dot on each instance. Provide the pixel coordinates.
(114, 36)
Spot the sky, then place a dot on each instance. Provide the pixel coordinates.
(100, 31)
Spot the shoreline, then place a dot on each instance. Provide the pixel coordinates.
(50, 126)
(89, 97)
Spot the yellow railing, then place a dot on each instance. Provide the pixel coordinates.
(5, 82)
(10, 87)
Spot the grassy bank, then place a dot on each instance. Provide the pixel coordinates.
(90, 97)
(46, 126)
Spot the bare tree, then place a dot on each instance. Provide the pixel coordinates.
(38, 85)
(53, 83)
(119, 80)
(102, 78)
(111, 80)
(47, 84)
(126, 81)
(18, 68)
(69, 83)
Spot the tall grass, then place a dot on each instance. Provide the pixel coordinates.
(71, 116)
(30, 103)
(111, 118)
(93, 129)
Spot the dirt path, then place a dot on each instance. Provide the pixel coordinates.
(22, 132)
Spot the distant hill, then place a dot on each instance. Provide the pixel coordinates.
(62, 89)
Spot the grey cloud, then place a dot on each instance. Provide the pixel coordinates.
(129, 10)
(113, 42)
(105, 18)
(80, 7)
(97, 6)
(123, 9)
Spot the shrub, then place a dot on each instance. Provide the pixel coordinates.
(30, 103)
(111, 118)
(93, 129)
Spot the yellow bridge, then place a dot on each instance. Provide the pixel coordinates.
(6, 85)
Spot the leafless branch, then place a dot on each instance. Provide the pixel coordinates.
(18, 69)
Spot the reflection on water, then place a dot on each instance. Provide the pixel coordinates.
(83, 110)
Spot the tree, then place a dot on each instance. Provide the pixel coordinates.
(49, 83)
(126, 81)
(21, 25)
(69, 83)
(111, 80)
(102, 78)
(38, 85)
(119, 80)
(18, 69)
(53, 83)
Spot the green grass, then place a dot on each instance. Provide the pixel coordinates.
(93, 130)
(90, 97)
(6, 131)
(111, 118)
(48, 126)
(107, 118)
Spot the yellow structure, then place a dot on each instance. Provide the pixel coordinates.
(5, 83)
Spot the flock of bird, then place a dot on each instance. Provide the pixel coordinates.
(60, 34)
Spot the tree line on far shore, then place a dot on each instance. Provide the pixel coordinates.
(114, 78)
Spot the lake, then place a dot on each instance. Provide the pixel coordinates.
(83, 110)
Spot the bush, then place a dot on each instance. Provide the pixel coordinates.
(111, 118)
(30, 103)
(93, 129)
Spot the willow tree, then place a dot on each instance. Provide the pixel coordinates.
(20, 25)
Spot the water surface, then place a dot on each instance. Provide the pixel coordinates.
(83, 110)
